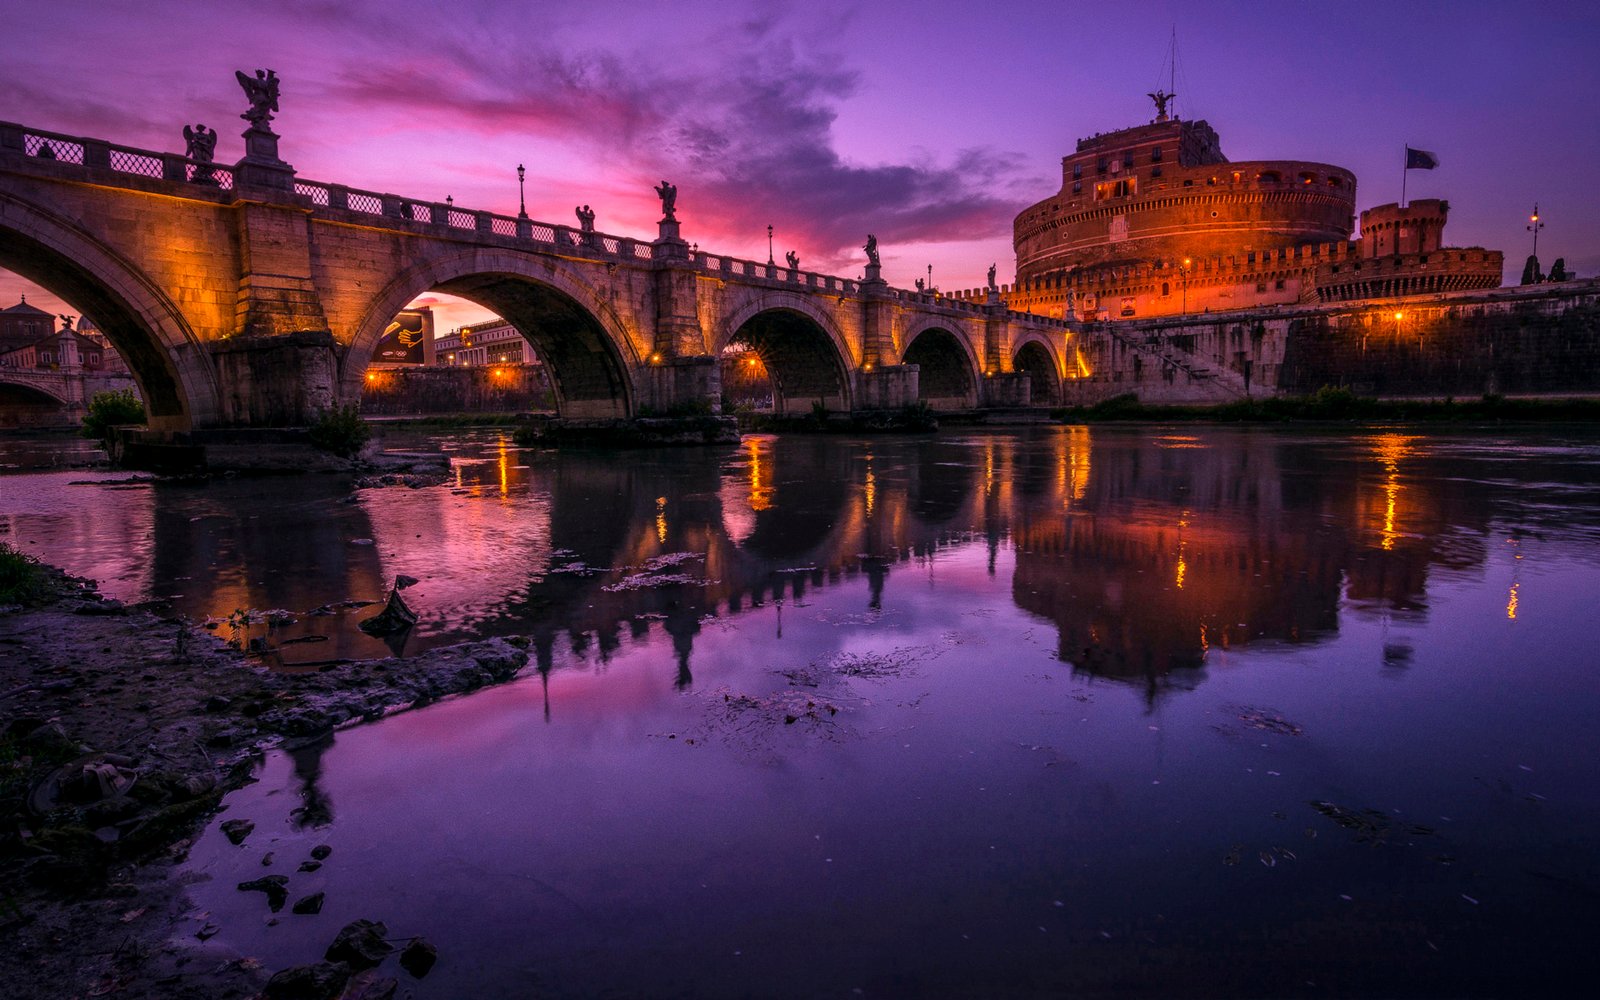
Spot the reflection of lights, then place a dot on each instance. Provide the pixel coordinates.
(871, 490)
(1511, 602)
(505, 468)
(1183, 568)
(661, 519)
(760, 492)
(1391, 449)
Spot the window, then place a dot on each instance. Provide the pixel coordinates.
(1166, 288)
(1101, 165)
(1268, 177)
(1077, 187)
(1155, 155)
(1155, 171)
(1127, 159)
(1077, 170)
(1278, 284)
(1261, 286)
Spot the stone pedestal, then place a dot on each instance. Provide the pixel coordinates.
(669, 245)
(261, 168)
(874, 275)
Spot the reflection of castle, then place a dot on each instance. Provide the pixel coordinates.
(1154, 220)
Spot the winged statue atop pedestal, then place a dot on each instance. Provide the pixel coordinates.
(261, 91)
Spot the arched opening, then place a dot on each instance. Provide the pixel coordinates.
(945, 378)
(26, 406)
(800, 359)
(582, 369)
(1033, 359)
(746, 383)
(139, 324)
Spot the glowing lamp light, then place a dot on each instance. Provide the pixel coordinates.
(655, 359)
(1399, 315)
(372, 376)
(497, 371)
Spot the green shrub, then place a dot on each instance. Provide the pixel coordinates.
(341, 431)
(109, 409)
(20, 578)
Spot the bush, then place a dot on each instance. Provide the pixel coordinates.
(109, 409)
(341, 431)
(20, 578)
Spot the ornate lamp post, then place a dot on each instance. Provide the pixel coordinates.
(522, 202)
(1534, 225)
(770, 261)
(1183, 272)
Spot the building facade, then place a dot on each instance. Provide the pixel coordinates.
(1154, 220)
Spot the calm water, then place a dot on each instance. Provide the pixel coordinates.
(1131, 711)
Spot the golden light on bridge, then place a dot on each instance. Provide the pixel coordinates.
(661, 520)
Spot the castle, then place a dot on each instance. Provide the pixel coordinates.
(1155, 221)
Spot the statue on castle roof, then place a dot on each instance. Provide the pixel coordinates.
(66, 322)
(992, 286)
(872, 249)
(262, 93)
(669, 201)
(1161, 97)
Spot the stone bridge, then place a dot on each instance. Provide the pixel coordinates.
(246, 296)
(49, 397)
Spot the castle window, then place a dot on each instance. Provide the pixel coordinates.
(1251, 257)
(1101, 165)
(1155, 171)
(1127, 159)
(1166, 288)
(1077, 170)
(1155, 155)
(1268, 177)
(1077, 187)
(1335, 182)
(1278, 285)
(1188, 184)
(1211, 182)
(1261, 286)
(1308, 178)
(1236, 176)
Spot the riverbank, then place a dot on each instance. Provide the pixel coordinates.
(120, 732)
(1340, 404)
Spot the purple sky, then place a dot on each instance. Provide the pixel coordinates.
(929, 124)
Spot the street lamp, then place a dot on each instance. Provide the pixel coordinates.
(1184, 274)
(770, 260)
(522, 201)
(1534, 225)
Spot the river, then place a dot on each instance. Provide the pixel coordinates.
(1122, 711)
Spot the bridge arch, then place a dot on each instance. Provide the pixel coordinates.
(170, 365)
(1037, 358)
(805, 354)
(25, 388)
(948, 368)
(586, 346)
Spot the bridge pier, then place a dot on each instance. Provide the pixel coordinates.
(887, 387)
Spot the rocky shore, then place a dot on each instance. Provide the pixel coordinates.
(120, 732)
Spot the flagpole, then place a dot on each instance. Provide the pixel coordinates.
(1405, 163)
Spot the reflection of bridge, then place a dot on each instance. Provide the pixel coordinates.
(247, 296)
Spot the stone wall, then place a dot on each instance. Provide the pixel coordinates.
(426, 391)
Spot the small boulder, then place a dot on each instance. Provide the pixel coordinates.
(310, 866)
(236, 830)
(321, 852)
(321, 981)
(275, 886)
(360, 943)
(310, 904)
(418, 957)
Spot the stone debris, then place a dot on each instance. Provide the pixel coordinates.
(236, 830)
(320, 981)
(275, 886)
(418, 957)
(361, 944)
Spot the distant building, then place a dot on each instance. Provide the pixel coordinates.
(489, 343)
(1154, 220)
(82, 348)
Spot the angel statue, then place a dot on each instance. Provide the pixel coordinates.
(66, 322)
(669, 201)
(992, 285)
(201, 143)
(585, 218)
(262, 93)
(872, 249)
(1161, 97)
(793, 259)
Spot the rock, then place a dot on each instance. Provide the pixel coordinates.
(361, 944)
(395, 617)
(402, 581)
(49, 740)
(309, 866)
(418, 957)
(266, 859)
(370, 986)
(310, 904)
(208, 931)
(322, 981)
(236, 830)
(321, 852)
(275, 886)
(217, 703)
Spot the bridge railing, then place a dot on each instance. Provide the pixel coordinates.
(98, 153)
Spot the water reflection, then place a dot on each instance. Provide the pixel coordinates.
(1150, 552)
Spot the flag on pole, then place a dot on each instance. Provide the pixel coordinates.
(1420, 159)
